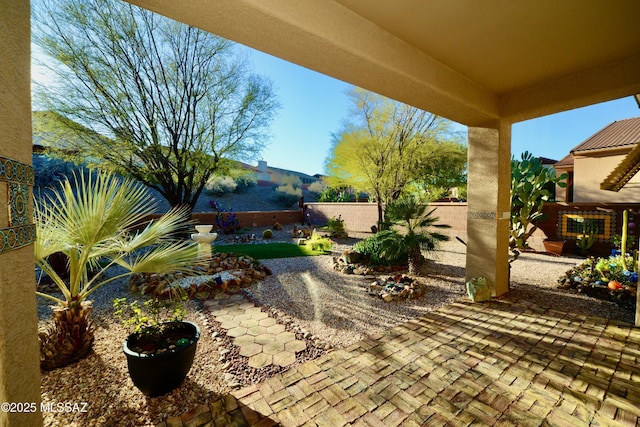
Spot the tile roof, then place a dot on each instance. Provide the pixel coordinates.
(617, 134)
(547, 161)
(565, 161)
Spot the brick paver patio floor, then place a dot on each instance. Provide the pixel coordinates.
(501, 363)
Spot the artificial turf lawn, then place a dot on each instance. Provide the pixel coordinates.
(270, 250)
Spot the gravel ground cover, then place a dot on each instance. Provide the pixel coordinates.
(304, 291)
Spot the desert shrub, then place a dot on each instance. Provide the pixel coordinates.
(245, 181)
(292, 180)
(220, 185)
(316, 188)
(287, 194)
(336, 227)
(233, 181)
(267, 234)
(375, 248)
(319, 243)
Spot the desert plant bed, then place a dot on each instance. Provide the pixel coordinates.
(604, 278)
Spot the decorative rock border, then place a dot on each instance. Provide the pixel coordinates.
(225, 272)
(398, 287)
(351, 262)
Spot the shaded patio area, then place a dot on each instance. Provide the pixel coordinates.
(498, 363)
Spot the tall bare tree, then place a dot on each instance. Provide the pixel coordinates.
(171, 103)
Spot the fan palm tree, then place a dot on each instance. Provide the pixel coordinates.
(94, 222)
(414, 222)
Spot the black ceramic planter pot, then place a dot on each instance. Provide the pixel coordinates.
(158, 374)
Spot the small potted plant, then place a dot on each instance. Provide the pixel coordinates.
(161, 347)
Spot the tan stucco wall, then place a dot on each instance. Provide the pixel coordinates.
(19, 354)
(489, 183)
(590, 171)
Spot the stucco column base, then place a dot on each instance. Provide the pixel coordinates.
(19, 352)
(489, 186)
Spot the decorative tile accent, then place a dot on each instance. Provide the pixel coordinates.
(16, 237)
(14, 171)
(570, 223)
(18, 204)
(20, 232)
(481, 215)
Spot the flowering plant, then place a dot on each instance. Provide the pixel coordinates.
(143, 318)
(226, 219)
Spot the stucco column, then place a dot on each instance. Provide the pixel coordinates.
(19, 353)
(488, 201)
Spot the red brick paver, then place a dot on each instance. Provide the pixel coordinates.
(500, 363)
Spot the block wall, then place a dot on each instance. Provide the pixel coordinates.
(358, 217)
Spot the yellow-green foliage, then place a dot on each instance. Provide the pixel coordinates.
(137, 318)
(319, 243)
(291, 180)
(316, 187)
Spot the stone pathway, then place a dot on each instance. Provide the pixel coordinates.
(499, 363)
(258, 336)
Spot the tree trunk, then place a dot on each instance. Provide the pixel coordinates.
(380, 216)
(69, 338)
(415, 261)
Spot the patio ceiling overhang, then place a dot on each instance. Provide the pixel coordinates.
(472, 62)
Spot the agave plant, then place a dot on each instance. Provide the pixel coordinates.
(414, 221)
(94, 221)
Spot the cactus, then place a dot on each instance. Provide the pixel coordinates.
(623, 247)
(588, 238)
(530, 183)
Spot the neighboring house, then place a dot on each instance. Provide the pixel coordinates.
(606, 161)
(547, 162)
(268, 175)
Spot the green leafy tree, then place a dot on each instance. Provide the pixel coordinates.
(531, 185)
(148, 97)
(93, 222)
(332, 194)
(382, 147)
(442, 165)
(414, 221)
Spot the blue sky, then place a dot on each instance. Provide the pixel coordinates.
(314, 105)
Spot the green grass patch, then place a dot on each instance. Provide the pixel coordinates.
(270, 250)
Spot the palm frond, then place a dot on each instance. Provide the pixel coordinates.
(91, 218)
(161, 230)
(177, 256)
